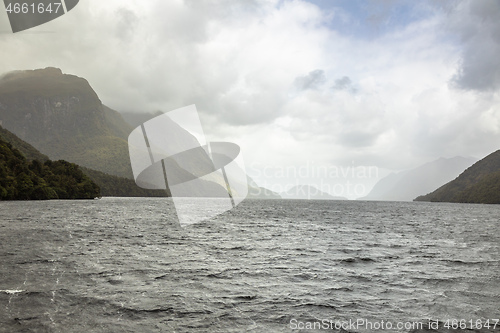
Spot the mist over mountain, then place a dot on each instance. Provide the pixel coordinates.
(135, 119)
(308, 192)
(478, 184)
(406, 185)
(62, 116)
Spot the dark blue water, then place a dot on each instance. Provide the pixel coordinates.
(124, 265)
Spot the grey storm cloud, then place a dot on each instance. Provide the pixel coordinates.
(344, 83)
(238, 62)
(314, 80)
(477, 23)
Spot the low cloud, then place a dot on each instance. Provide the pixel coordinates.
(274, 77)
(344, 83)
(314, 80)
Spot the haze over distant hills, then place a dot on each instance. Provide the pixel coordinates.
(478, 184)
(407, 185)
(61, 116)
(257, 192)
(308, 192)
(254, 190)
(136, 119)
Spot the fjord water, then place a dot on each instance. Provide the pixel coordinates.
(124, 265)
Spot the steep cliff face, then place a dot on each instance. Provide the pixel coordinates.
(62, 116)
(40, 103)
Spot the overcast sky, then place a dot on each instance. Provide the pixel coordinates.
(389, 84)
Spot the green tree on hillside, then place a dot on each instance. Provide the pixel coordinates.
(23, 180)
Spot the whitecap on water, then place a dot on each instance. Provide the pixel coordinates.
(12, 291)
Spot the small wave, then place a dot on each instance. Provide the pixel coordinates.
(464, 262)
(19, 320)
(153, 310)
(240, 248)
(338, 289)
(317, 305)
(357, 259)
(348, 260)
(246, 297)
(39, 261)
(12, 291)
(114, 281)
(305, 276)
(225, 274)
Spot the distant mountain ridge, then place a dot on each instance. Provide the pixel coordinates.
(478, 184)
(308, 192)
(257, 192)
(406, 185)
